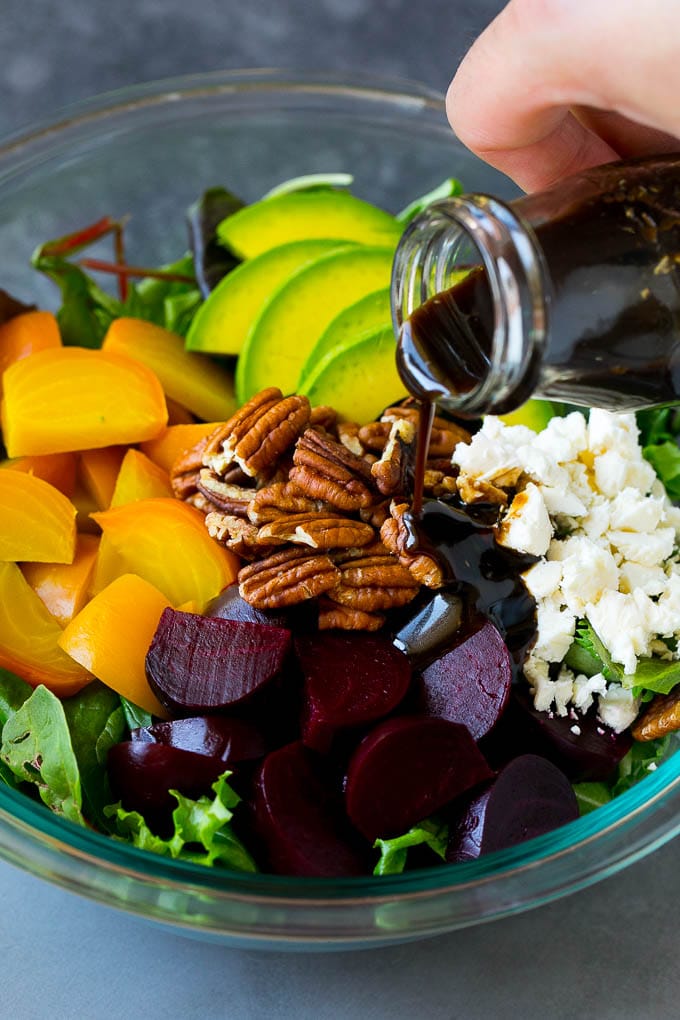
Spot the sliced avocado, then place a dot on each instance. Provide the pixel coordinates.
(364, 316)
(360, 379)
(304, 215)
(296, 315)
(534, 413)
(223, 321)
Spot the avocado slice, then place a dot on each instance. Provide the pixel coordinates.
(304, 215)
(360, 379)
(296, 315)
(534, 413)
(223, 321)
(365, 315)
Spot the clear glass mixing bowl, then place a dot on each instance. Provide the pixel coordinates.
(148, 151)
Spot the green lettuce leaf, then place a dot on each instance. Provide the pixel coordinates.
(36, 748)
(589, 656)
(13, 693)
(665, 459)
(202, 833)
(447, 189)
(96, 722)
(394, 852)
(636, 764)
(591, 796)
(134, 715)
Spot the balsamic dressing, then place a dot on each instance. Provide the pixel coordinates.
(602, 252)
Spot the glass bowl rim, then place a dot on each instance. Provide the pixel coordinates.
(544, 860)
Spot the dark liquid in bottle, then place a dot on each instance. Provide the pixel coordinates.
(610, 250)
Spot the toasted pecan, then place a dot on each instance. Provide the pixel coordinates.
(286, 578)
(318, 530)
(325, 469)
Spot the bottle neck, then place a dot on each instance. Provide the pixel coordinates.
(473, 241)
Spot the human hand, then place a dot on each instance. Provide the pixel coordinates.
(556, 86)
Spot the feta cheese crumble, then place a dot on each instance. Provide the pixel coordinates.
(591, 507)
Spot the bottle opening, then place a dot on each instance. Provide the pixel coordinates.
(468, 306)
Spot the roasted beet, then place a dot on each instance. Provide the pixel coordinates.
(580, 746)
(230, 740)
(300, 820)
(430, 626)
(529, 796)
(229, 605)
(349, 680)
(196, 664)
(141, 775)
(405, 769)
(470, 684)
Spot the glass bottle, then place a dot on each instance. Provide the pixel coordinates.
(569, 294)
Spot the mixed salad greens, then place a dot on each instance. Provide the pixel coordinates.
(56, 748)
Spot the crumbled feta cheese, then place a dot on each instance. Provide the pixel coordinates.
(621, 622)
(588, 570)
(526, 526)
(614, 556)
(617, 708)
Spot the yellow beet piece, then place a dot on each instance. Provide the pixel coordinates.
(139, 478)
(166, 542)
(25, 334)
(70, 398)
(59, 469)
(99, 471)
(193, 380)
(64, 587)
(111, 635)
(37, 522)
(29, 635)
(175, 440)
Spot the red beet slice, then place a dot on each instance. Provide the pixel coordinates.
(196, 664)
(300, 823)
(141, 775)
(407, 768)
(529, 797)
(230, 740)
(349, 680)
(591, 754)
(470, 684)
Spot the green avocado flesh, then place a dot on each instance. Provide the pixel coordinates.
(305, 215)
(223, 321)
(360, 379)
(534, 413)
(300, 311)
(365, 315)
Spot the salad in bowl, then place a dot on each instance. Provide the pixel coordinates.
(227, 664)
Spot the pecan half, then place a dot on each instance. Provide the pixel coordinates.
(231, 499)
(336, 617)
(259, 433)
(661, 717)
(478, 490)
(348, 434)
(445, 434)
(271, 501)
(236, 534)
(397, 460)
(323, 417)
(327, 470)
(423, 569)
(287, 577)
(318, 530)
(373, 583)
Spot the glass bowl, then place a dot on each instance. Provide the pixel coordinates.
(149, 151)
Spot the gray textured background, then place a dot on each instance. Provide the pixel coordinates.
(607, 952)
(55, 51)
